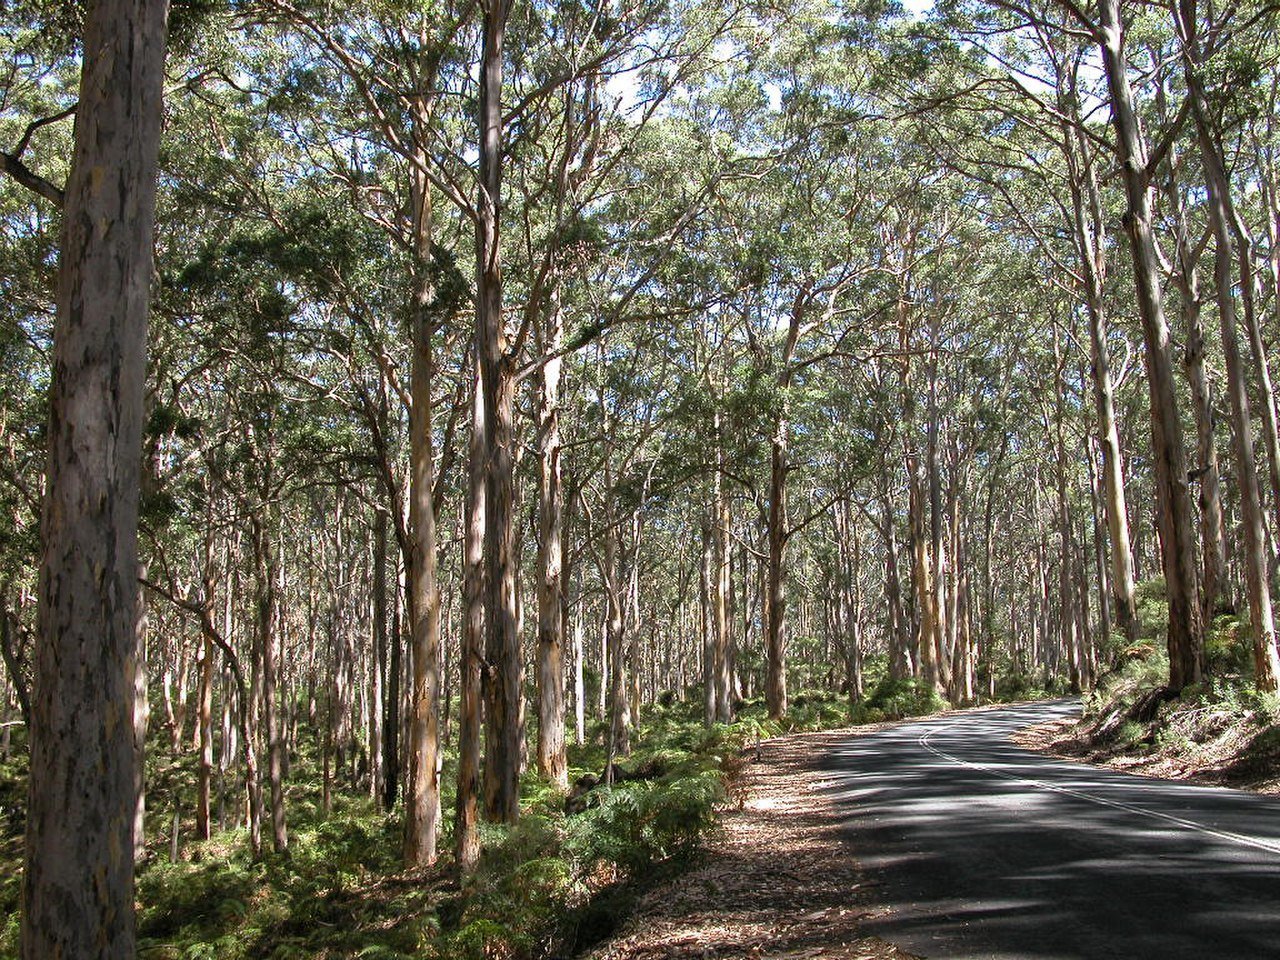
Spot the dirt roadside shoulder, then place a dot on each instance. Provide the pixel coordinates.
(1225, 759)
(778, 881)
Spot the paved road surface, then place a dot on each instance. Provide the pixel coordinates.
(980, 849)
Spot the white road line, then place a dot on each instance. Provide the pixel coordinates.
(1227, 835)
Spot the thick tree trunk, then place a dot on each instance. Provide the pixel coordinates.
(706, 624)
(1267, 669)
(78, 874)
(939, 564)
(619, 711)
(1088, 218)
(722, 662)
(204, 725)
(378, 707)
(1214, 585)
(1185, 640)
(466, 816)
(901, 663)
(269, 643)
(922, 580)
(552, 759)
(503, 680)
(422, 786)
(775, 689)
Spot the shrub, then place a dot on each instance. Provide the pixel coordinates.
(894, 699)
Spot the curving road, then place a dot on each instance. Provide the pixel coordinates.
(976, 848)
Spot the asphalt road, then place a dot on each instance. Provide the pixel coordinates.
(976, 848)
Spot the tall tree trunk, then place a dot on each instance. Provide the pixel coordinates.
(1185, 640)
(1214, 592)
(579, 686)
(1267, 669)
(901, 663)
(82, 790)
(552, 760)
(722, 662)
(204, 726)
(422, 786)
(269, 643)
(391, 722)
(1088, 216)
(775, 690)
(706, 624)
(378, 734)
(503, 679)
(619, 706)
(466, 819)
(937, 546)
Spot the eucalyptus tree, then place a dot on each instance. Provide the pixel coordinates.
(78, 876)
(426, 60)
(1138, 160)
(1198, 44)
(1038, 81)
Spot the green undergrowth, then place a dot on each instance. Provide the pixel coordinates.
(892, 699)
(1222, 727)
(549, 886)
(557, 881)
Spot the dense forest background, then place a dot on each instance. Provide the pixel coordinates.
(523, 377)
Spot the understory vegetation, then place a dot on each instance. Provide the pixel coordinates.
(554, 883)
(1222, 729)
(557, 880)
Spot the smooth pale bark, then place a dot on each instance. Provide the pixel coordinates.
(922, 579)
(964, 671)
(552, 760)
(266, 599)
(466, 835)
(1261, 366)
(1215, 586)
(1099, 545)
(422, 786)
(1271, 193)
(1088, 221)
(939, 565)
(141, 721)
(921, 566)
(775, 688)
(722, 662)
(1067, 625)
(619, 709)
(706, 626)
(901, 662)
(1267, 668)
(378, 612)
(204, 727)
(579, 685)
(503, 679)
(1177, 540)
(82, 791)
(848, 601)
(632, 631)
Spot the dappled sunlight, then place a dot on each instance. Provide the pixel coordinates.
(983, 849)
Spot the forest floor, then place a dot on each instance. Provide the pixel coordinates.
(777, 881)
(1198, 745)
